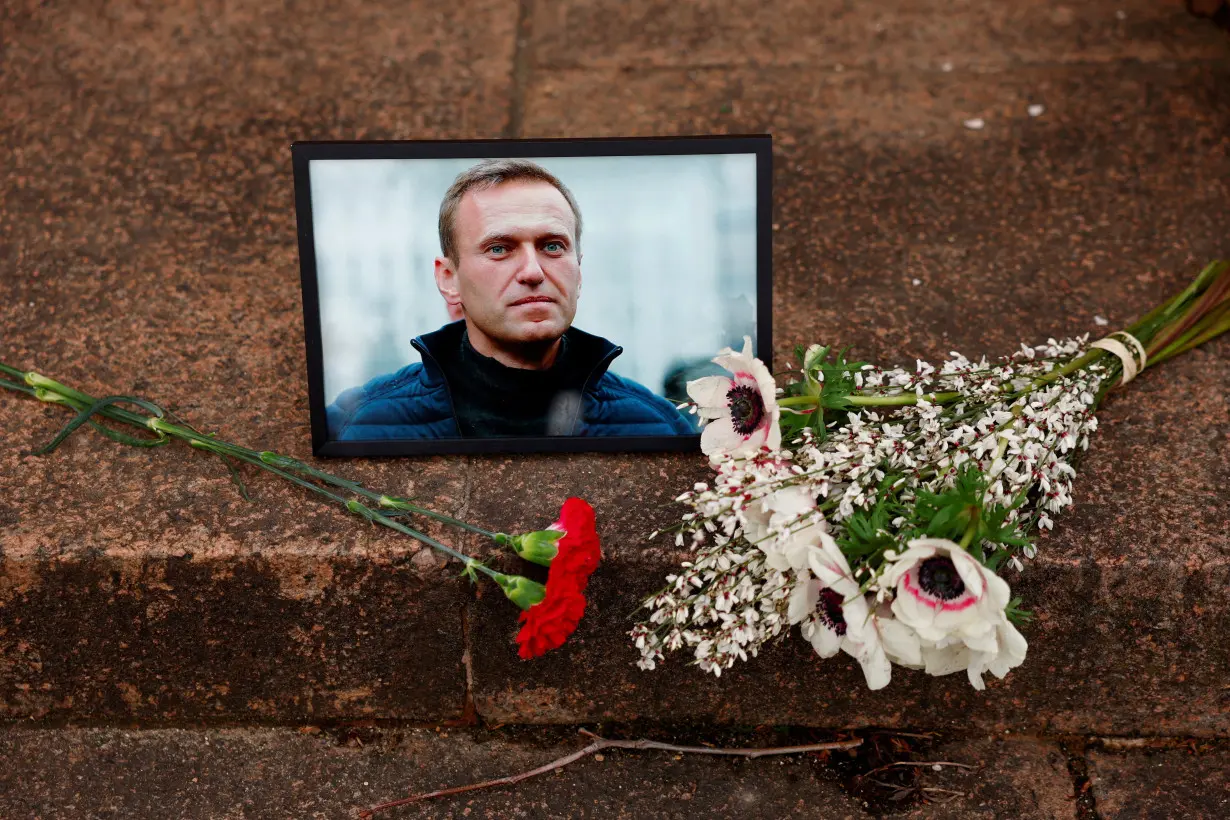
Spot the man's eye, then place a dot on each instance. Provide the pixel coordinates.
(497, 248)
(555, 247)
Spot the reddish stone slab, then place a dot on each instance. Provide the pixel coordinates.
(309, 773)
(175, 638)
(1152, 784)
(71, 773)
(1007, 777)
(913, 35)
(148, 232)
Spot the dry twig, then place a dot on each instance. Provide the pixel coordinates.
(601, 743)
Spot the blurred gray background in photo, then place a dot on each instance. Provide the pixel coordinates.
(668, 264)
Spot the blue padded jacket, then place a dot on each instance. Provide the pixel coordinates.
(415, 402)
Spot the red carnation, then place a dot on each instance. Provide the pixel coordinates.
(549, 622)
(579, 551)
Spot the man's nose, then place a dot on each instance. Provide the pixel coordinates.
(530, 272)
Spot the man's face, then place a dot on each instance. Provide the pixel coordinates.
(518, 274)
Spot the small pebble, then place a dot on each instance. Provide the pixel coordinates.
(1101, 321)
(917, 281)
(599, 758)
(975, 124)
(937, 767)
(1036, 110)
(946, 67)
(1121, 14)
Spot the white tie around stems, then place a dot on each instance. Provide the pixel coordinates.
(1128, 357)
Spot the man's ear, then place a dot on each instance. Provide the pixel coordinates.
(447, 284)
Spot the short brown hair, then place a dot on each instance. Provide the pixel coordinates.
(488, 174)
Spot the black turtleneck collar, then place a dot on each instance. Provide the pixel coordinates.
(492, 399)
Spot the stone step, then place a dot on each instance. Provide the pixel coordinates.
(307, 773)
(334, 772)
(161, 262)
(200, 606)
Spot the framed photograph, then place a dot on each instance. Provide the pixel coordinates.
(526, 295)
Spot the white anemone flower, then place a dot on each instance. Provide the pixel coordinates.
(835, 615)
(1008, 652)
(740, 413)
(957, 608)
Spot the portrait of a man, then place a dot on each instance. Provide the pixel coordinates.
(511, 362)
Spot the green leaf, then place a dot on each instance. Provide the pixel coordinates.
(86, 414)
(235, 479)
(997, 558)
(938, 526)
(124, 438)
(1018, 616)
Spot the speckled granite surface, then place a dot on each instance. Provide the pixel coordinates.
(147, 246)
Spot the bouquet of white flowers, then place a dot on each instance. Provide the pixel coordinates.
(874, 507)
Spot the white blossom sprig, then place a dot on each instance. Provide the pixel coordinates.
(880, 517)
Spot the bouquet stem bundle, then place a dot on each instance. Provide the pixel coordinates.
(875, 507)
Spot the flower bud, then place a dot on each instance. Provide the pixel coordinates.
(276, 460)
(521, 590)
(538, 547)
(50, 396)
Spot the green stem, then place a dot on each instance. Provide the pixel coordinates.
(798, 401)
(265, 460)
(970, 531)
(16, 386)
(1200, 283)
(401, 504)
(1210, 333)
(899, 401)
(1214, 320)
(375, 516)
(1217, 290)
(20, 375)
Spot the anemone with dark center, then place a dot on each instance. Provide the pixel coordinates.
(746, 408)
(830, 611)
(939, 576)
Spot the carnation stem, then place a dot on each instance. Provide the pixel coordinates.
(375, 516)
(263, 458)
(402, 504)
(269, 461)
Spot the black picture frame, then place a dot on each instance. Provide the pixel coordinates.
(304, 152)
